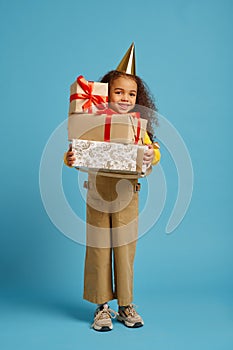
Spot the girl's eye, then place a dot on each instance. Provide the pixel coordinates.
(132, 95)
(118, 92)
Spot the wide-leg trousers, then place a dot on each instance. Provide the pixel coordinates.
(111, 235)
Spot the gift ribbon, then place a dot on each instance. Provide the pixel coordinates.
(87, 87)
(137, 136)
(107, 129)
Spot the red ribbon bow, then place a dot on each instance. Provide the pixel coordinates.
(87, 87)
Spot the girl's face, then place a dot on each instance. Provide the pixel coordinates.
(123, 94)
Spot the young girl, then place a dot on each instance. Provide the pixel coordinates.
(126, 93)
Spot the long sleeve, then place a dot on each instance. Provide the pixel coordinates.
(157, 154)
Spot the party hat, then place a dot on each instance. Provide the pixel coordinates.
(127, 64)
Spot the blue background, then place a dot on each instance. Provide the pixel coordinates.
(183, 281)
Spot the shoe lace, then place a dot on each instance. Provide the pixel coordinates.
(104, 313)
(131, 310)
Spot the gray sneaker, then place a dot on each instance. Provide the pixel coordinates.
(129, 317)
(103, 318)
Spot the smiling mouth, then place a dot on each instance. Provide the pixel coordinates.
(124, 106)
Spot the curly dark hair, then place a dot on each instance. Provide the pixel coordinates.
(144, 99)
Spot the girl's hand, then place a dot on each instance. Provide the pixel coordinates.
(149, 155)
(70, 156)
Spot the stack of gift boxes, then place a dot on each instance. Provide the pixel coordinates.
(102, 140)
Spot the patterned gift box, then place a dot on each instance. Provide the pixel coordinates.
(87, 96)
(123, 128)
(114, 157)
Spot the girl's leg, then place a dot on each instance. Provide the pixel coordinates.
(98, 262)
(123, 272)
(98, 275)
(124, 239)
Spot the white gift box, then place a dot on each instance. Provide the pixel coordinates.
(109, 156)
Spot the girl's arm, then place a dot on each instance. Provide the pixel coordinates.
(153, 157)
